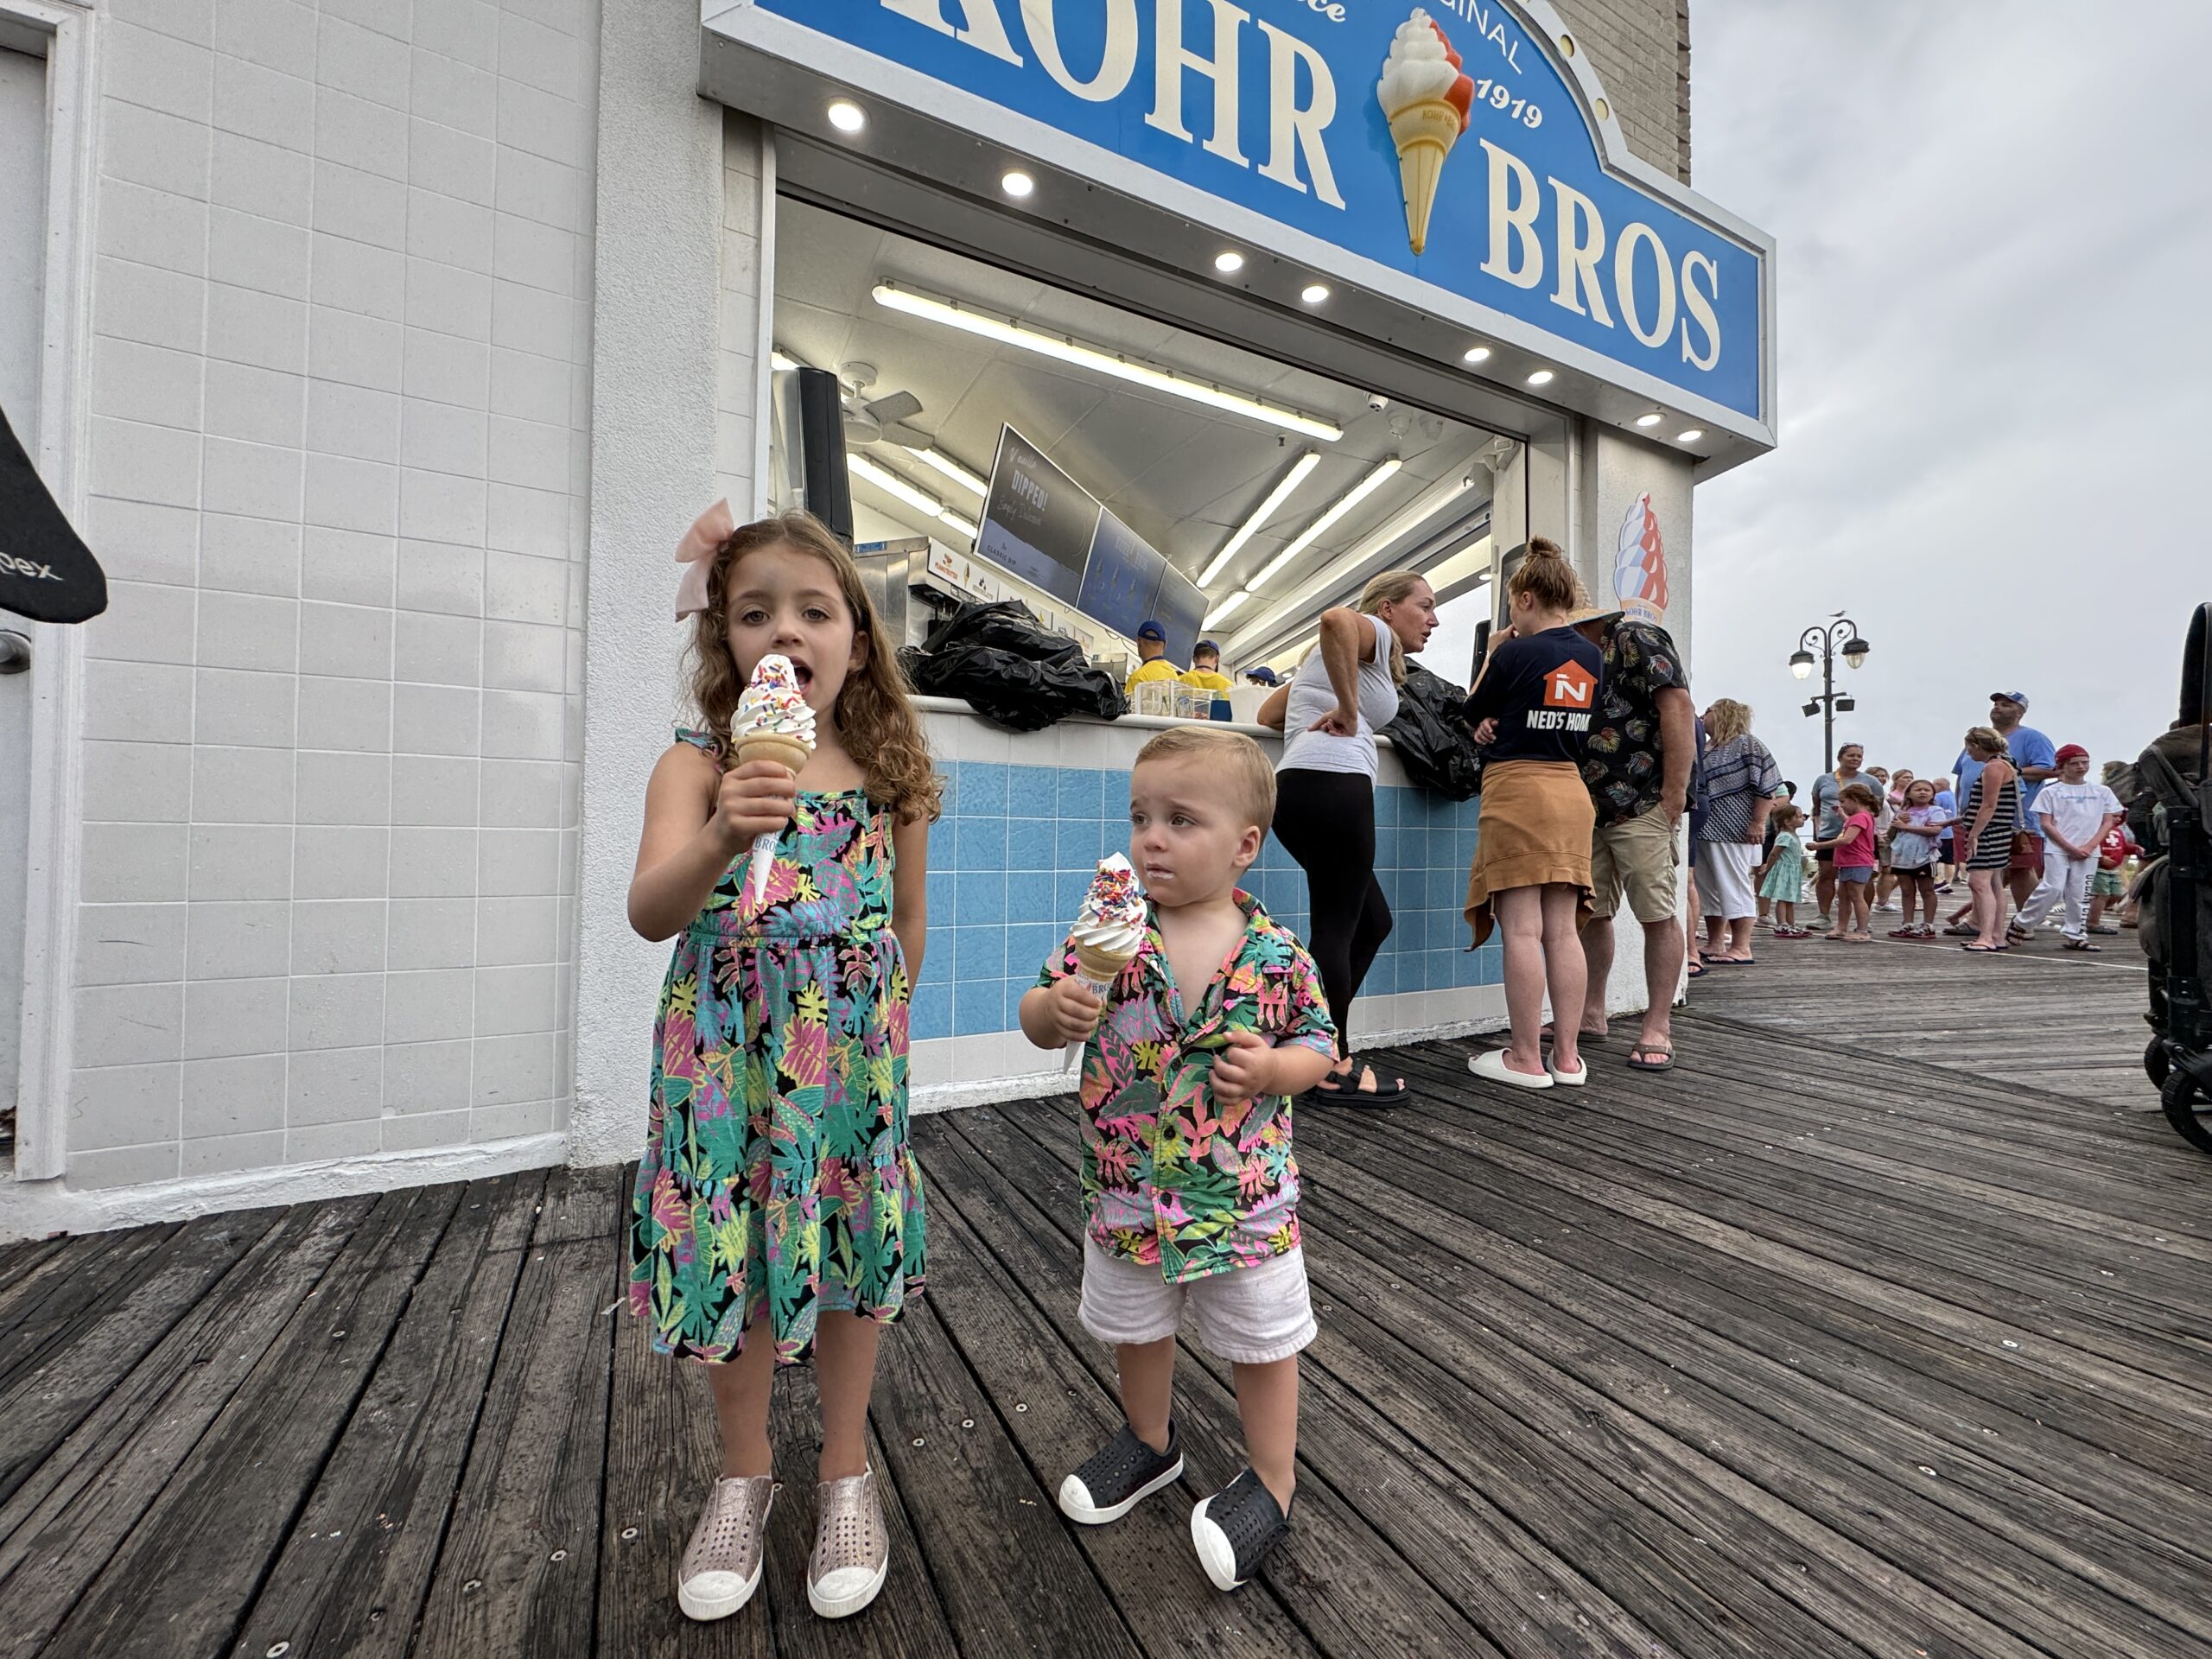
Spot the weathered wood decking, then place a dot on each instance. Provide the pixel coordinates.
(1813, 1347)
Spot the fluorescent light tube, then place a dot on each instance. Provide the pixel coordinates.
(953, 521)
(1026, 339)
(1221, 613)
(1321, 526)
(1268, 509)
(891, 484)
(973, 483)
(779, 362)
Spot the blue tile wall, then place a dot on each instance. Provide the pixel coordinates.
(1015, 851)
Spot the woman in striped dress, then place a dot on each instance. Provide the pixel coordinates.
(1987, 824)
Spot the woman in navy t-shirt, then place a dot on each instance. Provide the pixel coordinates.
(1531, 708)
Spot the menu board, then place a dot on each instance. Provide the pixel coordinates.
(1038, 522)
(1181, 607)
(1121, 582)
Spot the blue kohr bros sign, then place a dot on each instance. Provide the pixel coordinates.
(1444, 142)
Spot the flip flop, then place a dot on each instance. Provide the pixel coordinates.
(1984, 950)
(1666, 1062)
(2080, 944)
(1695, 970)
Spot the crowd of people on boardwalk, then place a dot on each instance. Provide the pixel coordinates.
(779, 1214)
(2017, 819)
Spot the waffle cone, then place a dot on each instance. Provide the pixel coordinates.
(1424, 134)
(787, 752)
(1100, 967)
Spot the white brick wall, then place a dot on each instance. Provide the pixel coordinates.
(1639, 49)
(342, 315)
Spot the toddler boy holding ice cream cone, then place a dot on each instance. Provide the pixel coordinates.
(1189, 1190)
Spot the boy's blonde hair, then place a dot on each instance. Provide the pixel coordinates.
(1233, 758)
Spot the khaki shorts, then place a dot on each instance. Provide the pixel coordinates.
(1637, 856)
(1251, 1316)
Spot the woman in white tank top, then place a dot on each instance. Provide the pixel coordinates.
(1342, 693)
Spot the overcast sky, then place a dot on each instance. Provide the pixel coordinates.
(1995, 233)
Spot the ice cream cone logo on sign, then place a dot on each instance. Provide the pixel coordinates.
(1640, 563)
(1426, 100)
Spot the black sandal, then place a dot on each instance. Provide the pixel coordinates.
(1329, 1089)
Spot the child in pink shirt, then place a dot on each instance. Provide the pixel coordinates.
(1856, 862)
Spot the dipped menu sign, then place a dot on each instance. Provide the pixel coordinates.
(46, 572)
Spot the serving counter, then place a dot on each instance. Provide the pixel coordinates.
(1027, 816)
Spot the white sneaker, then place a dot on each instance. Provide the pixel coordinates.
(722, 1565)
(1491, 1066)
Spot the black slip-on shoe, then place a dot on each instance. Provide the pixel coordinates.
(1119, 1476)
(1235, 1528)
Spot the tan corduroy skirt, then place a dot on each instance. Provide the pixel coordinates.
(1535, 827)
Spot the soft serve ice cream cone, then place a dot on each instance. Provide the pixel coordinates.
(1108, 930)
(1426, 100)
(772, 722)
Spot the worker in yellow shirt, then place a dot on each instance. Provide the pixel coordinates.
(1205, 672)
(1151, 654)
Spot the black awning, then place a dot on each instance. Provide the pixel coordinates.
(46, 573)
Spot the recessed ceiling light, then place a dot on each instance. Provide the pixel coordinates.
(1477, 354)
(1229, 263)
(1652, 419)
(1315, 293)
(847, 116)
(1541, 378)
(1017, 183)
(1690, 436)
(1099, 361)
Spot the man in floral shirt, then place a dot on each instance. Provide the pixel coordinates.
(1189, 1190)
(1637, 768)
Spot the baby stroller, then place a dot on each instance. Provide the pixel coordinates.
(2171, 812)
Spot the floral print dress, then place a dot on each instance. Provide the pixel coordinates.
(776, 1177)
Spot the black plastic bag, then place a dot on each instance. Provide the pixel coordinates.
(46, 572)
(1010, 670)
(1431, 736)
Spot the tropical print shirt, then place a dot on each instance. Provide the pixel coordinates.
(1621, 765)
(1167, 1181)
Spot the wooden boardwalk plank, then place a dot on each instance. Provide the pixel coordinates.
(354, 1570)
(519, 1574)
(63, 1525)
(43, 1402)
(1747, 1415)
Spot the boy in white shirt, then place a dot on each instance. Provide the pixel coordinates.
(2074, 815)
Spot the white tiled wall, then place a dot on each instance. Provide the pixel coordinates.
(341, 313)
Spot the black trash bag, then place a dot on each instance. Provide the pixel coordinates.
(1431, 736)
(1010, 670)
(46, 572)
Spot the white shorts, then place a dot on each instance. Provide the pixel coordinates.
(1251, 1316)
(1724, 887)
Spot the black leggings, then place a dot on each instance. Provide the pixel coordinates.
(1325, 820)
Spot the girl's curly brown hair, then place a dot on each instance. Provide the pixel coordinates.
(874, 712)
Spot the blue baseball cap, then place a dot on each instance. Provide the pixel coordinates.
(2020, 697)
(1263, 676)
(1206, 645)
(1149, 629)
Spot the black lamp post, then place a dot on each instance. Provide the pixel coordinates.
(1840, 637)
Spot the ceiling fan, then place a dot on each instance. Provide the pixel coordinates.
(880, 420)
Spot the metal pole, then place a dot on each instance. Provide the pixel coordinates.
(1827, 700)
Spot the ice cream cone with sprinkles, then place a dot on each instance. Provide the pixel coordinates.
(1108, 932)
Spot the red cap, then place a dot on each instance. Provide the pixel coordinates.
(2072, 751)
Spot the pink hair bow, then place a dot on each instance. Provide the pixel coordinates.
(695, 553)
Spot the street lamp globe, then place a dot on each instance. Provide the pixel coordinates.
(1855, 650)
(1801, 663)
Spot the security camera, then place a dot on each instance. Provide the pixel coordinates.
(1378, 402)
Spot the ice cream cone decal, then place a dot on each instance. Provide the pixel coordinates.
(1426, 100)
(1640, 562)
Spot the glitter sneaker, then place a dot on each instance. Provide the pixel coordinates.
(852, 1548)
(722, 1565)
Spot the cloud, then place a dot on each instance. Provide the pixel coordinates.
(1993, 223)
